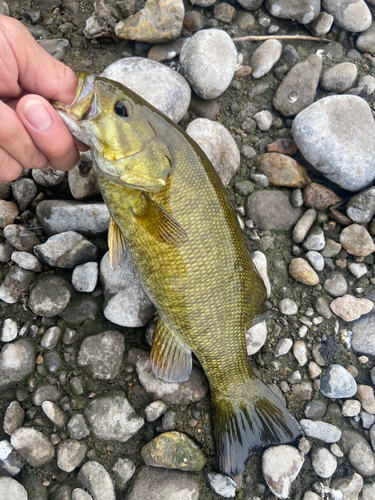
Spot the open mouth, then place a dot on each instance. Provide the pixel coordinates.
(84, 100)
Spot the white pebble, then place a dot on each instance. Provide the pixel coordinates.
(9, 330)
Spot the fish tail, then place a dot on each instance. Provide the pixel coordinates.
(250, 419)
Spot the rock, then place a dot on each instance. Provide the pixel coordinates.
(351, 408)
(321, 430)
(300, 352)
(102, 354)
(348, 487)
(70, 454)
(321, 25)
(304, 12)
(265, 57)
(338, 383)
(97, 481)
(331, 249)
(24, 191)
(350, 308)
(194, 389)
(315, 239)
(339, 78)
(33, 446)
(85, 277)
(66, 250)
(80, 494)
(358, 452)
(263, 120)
(219, 146)
(77, 427)
(301, 271)
(319, 197)
(334, 149)
(27, 261)
(336, 286)
(5, 252)
(9, 330)
(20, 238)
(365, 394)
(282, 170)
(50, 295)
(173, 450)
(272, 210)
(316, 260)
(163, 484)
(51, 337)
(12, 489)
(249, 5)
(280, 467)
(361, 207)
(54, 413)
(303, 225)
(8, 212)
(166, 51)
(82, 180)
(155, 410)
(112, 418)
(366, 40)
(57, 47)
(46, 393)
(13, 418)
(324, 462)
(303, 391)
(80, 309)
(363, 340)
(52, 361)
(256, 337)
(222, 485)
(224, 12)
(205, 108)
(288, 307)
(368, 491)
(47, 176)
(297, 90)
(352, 16)
(144, 76)
(314, 370)
(283, 347)
(123, 471)
(15, 284)
(59, 216)
(357, 240)
(208, 61)
(260, 262)
(17, 361)
(159, 21)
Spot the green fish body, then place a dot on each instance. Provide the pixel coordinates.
(171, 211)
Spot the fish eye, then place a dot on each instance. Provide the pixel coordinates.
(123, 109)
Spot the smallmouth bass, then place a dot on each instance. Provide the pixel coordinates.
(170, 210)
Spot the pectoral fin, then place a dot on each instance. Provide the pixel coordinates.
(157, 221)
(116, 244)
(170, 358)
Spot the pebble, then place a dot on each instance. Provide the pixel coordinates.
(249, 5)
(297, 90)
(159, 483)
(66, 250)
(288, 307)
(256, 337)
(301, 271)
(347, 488)
(85, 277)
(361, 207)
(157, 22)
(338, 383)
(97, 481)
(20, 238)
(351, 408)
(123, 471)
(50, 295)
(17, 361)
(349, 149)
(315, 239)
(12, 489)
(79, 494)
(194, 389)
(224, 12)
(173, 450)
(316, 260)
(368, 491)
(303, 391)
(263, 120)
(324, 462)
(27, 261)
(33, 446)
(113, 418)
(280, 467)
(260, 262)
(218, 144)
(363, 340)
(9, 330)
(224, 486)
(265, 57)
(357, 241)
(13, 418)
(80, 310)
(102, 354)
(319, 197)
(144, 76)
(336, 286)
(166, 51)
(339, 78)
(51, 337)
(358, 452)
(331, 248)
(321, 25)
(52, 361)
(314, 370)
(6, 251)
(46, 393)
(283, 347)
(15, 285)
(57, 47)
(368, 420)
(11, 462)
(205, 108)
(208, 61)
(300, 352)
(303, 12)
(310, 495)
(365, 394)
(48, 176)
(354, 16)
(82, 180)
(155, 410)
(350, 308)
(366, 40)
(272, 210)
(70, 454)
(59, 216)
(77, 427)
(282, 170)
(8, 212)
(321, 430)
(303, 225)
(54, 413)
(24, 191)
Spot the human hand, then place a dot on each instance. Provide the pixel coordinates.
(31, 131)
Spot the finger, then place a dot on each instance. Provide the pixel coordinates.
(48, 132)
(10, 168)
(16, 142)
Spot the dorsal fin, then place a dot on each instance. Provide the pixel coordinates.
(116, 244)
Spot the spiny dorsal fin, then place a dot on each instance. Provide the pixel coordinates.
(157, 221)
(170, 358)
(116, 244)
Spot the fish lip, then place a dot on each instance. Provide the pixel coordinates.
(83, 99)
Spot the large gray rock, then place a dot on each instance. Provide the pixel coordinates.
(158, 84)
(303, 11)
(337, 136)
(33, 446)
(272, 210)
(353, 15)
(358, 452)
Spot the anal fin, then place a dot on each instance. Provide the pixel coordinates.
(170, 358)
(116, 244)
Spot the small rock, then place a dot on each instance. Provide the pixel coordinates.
(303, 12)
(9, 330)
(51, 337)
(350, 308)
(265, 57)
(222, 485)
(80, 494)
(256, 337)
(358, 452)
(24, 191)
(316, 260)
(70, 454)
(366, 41)
(15, 284)
(57, 47)
(282, 170)
(348, 487)
(315, 239)
(155, 410)
(54, 413)
(264, 120)
(8, 212)
(50, 296)
(319, 197)
(357, 240)
(33, 446)
(314, 370)
(288, 307)
(166, 51)
(324, 462)
(272, 210)
(17, 361)
(82, 180)
(365, 394)
(47, 176)
(46, 393)
(300, 352)
(368, 491)
(260, 263)
(321, 25)
(283, 347)
(361, 207)
(331, 248)
(339, 78)
(303, 225)
(358, 269)
(85, 277)
(97, 481)
(13, 418)
(20, 238)
(123, 470)
(336, 286)
(27, 261)
(351, 408)
(224, 12)
(77, 427)
(338, 383)
(301, 271)
(321, 430)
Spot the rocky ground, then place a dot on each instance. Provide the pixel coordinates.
(289, 125)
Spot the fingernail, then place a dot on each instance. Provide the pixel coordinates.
(37, 115)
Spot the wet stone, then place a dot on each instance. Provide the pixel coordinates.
(33, 446)
(173, 450)
(208, 62)
(27, 261)
(85, 277)
(321, 430)
(77, 428)
(13, 418)
(303, 225)
(353, 16)
(47, 176)
(218, 144)
(112, 418)
(123, 471)
(54, 413)
(102, 354)
(339, 78)
(272, 210)
(280, 467)
(338, 383)
(301, 271)
(265, 57)
(52, 361)
(24, 191)
(10, 488)
(70, 454)
(222, 485)
(155, 410)
(282, 170)
(97, 481)
(20, 238)
(17, 361)
(9, 330)
(336, 286)
(350, 308)
(50, 296)
(361, 207)
(356, 240)
(319, 197)
(358, 452)
(8, 212)
(324, 462)
(46, 393)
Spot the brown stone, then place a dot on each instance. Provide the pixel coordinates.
(319, 197)
(159, 21)
(340, 218)
(224, 12)
(356, 240)
(205, 108)
(242, 72)
(165, 51)
(283, 146)
(301, 271)
(282, 170)
(194, 21)
(8, 212)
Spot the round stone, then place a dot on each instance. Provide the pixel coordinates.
(265, 57)
(338, 383)
(339, 78)
(272, 210)
(357, 241)
(12, 489)
(288, 307)
(33, 446)
(301, 271)
(50, 296)
(350, 308)
(324, 462)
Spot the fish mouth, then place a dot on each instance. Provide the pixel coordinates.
(84, 102)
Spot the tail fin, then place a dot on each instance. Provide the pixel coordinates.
(253, 419)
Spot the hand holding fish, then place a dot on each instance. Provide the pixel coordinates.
(31, 132)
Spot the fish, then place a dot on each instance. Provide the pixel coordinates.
(170, 209)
